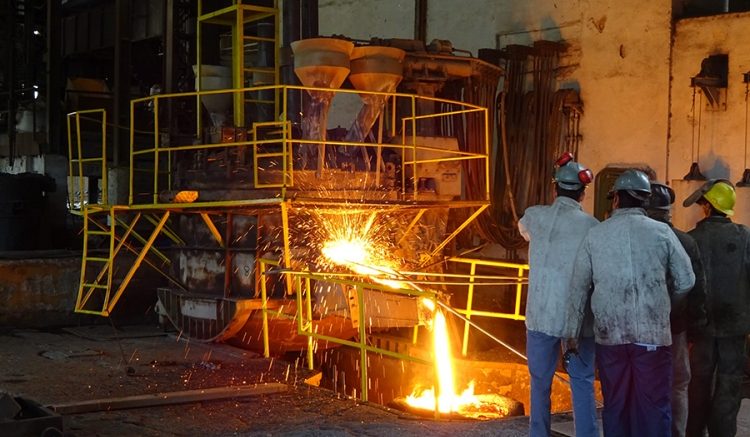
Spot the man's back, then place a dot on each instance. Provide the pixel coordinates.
(725, 249)
(629, 258)
(554, 232)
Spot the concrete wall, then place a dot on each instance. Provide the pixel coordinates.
(38, 292)
(722, 129)
(720, 150)
(618, 57)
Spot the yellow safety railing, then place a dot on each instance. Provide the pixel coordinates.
(521, 278)
(77, 161)
(304, 316)
(160, 155)
(453, 155)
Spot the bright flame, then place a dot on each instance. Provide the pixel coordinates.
(356, 253)
(448, 401)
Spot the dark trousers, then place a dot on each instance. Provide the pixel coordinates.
(636, 384)
(715, 405)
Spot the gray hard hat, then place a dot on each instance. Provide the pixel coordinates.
(573, 176)
(634, 182)
(662, 197)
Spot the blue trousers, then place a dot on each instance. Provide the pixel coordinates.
(636, 384)
(543, 352)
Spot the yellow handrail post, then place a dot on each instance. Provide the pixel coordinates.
(469, 301)
(264, 309)
(362, 343)
(105, 177)
(298, 300)
(486, 156)
(80, 159)
(132, 154)
(287, 248)
(519, 287)
(156, 149)
(414, 145)
(310, 343)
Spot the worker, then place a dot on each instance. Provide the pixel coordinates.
(688, 313)
(622, 269)
(717, 356)
(554, 233)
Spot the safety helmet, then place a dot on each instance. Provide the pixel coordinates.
(571, 175)
(635, 182)
(718, 192)
(662, 197)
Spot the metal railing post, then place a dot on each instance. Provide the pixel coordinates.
(362, 343)
(308, 305)
(469, 300)
(264, 309)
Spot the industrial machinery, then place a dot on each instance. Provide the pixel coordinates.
(271, 229)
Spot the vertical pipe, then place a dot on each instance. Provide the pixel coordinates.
(420, 20)
(238, 62)
(292, 27)
(198, 72)
(122, 64)
(54, 77)
(11, 77)
(309, 20)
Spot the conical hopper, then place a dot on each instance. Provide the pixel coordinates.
(322, 62)
(376, 68)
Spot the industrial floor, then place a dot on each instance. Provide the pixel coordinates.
(65, 368)
(69, 366)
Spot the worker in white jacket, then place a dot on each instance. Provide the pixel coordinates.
(624, 266)
(554, 233)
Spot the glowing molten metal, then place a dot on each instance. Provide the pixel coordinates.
(366, 257)
(448, 401)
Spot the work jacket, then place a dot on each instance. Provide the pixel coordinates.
(624, 264)
(690, 313)
(725, 250)
(554, 233)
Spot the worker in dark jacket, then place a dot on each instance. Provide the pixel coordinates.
(688, 313)
(720, 349)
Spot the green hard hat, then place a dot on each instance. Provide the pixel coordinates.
(718, 192)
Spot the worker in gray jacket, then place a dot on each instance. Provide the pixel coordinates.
(717, 357)
(624, 266)
(554, 233)
(688, 314)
